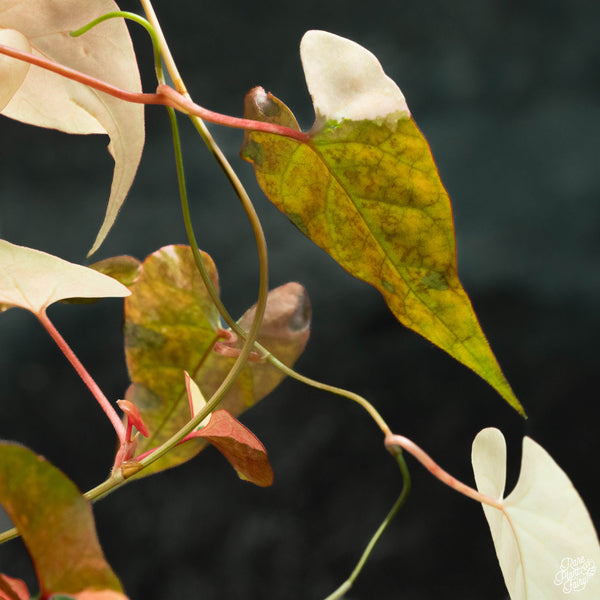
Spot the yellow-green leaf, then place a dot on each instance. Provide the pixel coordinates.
(364, 187)
(172, 326)
(57, 526)
(46, 99)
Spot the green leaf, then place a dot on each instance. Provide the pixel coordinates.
(33, 280)
(57, 526)
(172, 326)
(125, 269)
(364, 187)
(544, 538)
(45, 99)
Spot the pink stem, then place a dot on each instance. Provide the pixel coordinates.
(392, 440)
(165, 96)
(106, 406)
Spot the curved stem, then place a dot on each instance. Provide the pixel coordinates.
(263, 271)
(393, 441)
(131, 17)
(183, 103)
(164, 47)
(406, 485)
(103, 401)
(118, 14)
(166, 97)
(333, 390)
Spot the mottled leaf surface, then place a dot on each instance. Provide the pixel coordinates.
(33, 280)
(124, 268)
(171, 326)
(545, 540)
(56, 524)
(45, 99)
(365, 188)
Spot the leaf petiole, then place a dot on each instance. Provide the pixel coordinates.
(103, 401)
(165, 97)
(393, 442)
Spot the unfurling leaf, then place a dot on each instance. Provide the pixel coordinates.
(364, 187)
(544, 538)
(172, 325)
(133, 415)
(57, 526)
(46, 99)
(234, 441)
(196, 399)
(13, 589)
(33, 280)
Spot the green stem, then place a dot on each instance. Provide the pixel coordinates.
(260, 242)
(164, 47)
(406, 484)
(332, 389)
(137, 19)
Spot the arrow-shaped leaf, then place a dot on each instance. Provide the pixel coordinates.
(33, 280)
(57, 526)
(544, 538)
(46, 99)
(172, 326)
(365, 188)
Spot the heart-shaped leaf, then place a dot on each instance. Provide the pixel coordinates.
(172, 326)
(364, 187)
(46, 99)
(544, 538)
(33, 280)
(57, 526)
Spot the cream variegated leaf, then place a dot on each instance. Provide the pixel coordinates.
(12, 71)
(33, 280)
(544, 537)
(46, 99)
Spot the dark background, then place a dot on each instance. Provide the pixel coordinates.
(507, 93)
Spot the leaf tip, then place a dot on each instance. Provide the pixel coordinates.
(346, 81)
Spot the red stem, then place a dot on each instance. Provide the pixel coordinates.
(392, 440)
(106, 406)
(165, 96)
